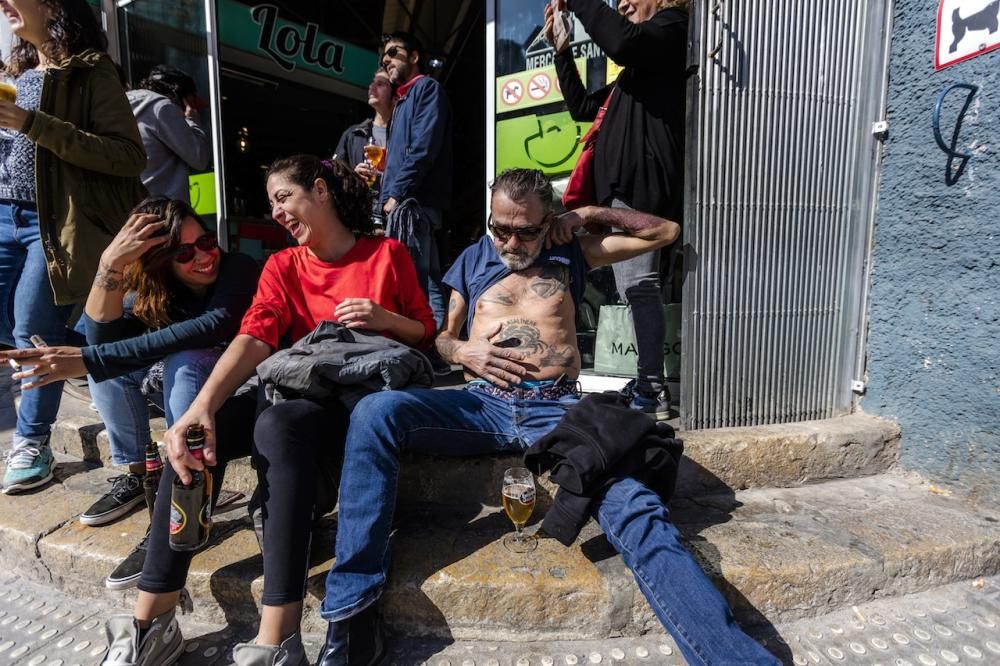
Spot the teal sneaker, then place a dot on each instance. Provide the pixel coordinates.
(28, 467)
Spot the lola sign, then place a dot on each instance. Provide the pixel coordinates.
(261, 30)
(289, 42)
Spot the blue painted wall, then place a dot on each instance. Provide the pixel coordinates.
(934, 337)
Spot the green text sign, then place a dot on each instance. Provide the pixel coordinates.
(260, 30)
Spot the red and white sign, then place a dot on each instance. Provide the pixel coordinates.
(512, 92)
(539, 85)
(965, 29)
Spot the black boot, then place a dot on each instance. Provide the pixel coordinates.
(355, 641)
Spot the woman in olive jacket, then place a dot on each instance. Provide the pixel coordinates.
(70, 159)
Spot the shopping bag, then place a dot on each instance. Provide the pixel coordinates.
(615, 349)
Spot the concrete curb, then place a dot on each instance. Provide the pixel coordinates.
(779, 554)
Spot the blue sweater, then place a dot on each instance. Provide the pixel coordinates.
(200, 322)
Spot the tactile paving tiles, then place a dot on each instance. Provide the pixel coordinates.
(957, 624)
(658, 650)
(38, 629)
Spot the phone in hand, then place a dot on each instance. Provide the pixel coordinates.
(38, 341)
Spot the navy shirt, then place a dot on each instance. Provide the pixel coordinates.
(200, 322)
(479, 267)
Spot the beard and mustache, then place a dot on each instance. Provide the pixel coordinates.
(518, 260)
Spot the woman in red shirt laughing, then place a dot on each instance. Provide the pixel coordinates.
(337, 271)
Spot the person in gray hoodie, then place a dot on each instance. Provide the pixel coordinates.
(165, 108)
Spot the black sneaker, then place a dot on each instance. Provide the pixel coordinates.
(654, 403)
(126, 493)
(127, 573)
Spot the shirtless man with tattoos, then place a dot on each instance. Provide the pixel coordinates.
(516, 293)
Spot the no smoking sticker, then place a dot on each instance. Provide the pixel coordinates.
(512, 92)
(539, 86)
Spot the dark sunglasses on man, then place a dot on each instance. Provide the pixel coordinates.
(185, 251)
(524, 234)
(394, 50)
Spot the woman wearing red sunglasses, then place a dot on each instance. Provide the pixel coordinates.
(165, 302)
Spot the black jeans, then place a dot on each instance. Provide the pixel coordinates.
(297, 448)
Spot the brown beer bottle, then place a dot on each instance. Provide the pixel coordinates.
(191, 505)
(151, 480)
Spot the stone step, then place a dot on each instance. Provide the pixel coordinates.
(779, 554)
(715, 460)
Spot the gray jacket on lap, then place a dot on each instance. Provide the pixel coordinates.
(335, 362)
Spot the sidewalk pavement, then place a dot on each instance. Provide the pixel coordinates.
(954, 624)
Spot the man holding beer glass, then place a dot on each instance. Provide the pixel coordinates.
(516, 294)
(362, 146)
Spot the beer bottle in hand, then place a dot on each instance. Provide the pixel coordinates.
(191, 505)
(151, 480)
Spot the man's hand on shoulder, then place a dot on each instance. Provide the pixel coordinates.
(499, 365)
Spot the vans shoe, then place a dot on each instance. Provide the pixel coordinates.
(126, 493)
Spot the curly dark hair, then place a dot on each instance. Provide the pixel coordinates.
(72, 29)
(352, 199)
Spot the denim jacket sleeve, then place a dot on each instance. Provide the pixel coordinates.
(428, 122)
(216, 325)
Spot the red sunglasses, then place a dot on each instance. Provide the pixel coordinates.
(186, 251)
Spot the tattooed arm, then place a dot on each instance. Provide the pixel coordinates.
(642, 232)
(479, 356)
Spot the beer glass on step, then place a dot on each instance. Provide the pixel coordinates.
(518, 496)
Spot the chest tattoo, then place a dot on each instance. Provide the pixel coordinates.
(499, 295)
(551, 281)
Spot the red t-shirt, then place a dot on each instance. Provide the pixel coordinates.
(297, 290)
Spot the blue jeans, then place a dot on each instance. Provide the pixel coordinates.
(125, 410)
(27, 307)
(470, 422)
(638, 282)
(428, 265)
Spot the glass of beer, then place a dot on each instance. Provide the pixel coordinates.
(518, 496)
(375, 157)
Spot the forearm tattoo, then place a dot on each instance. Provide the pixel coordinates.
(108, 279)
(557, 357)
(631, 221)
(551, 281)
(525, 331)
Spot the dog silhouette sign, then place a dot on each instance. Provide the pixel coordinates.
(965, 29)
